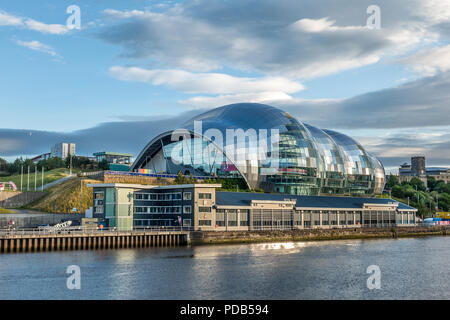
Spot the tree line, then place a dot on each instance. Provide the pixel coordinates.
(423, 197)
(83, 163)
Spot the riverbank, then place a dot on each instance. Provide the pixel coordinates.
(236, 237)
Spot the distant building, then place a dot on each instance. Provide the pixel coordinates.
(40, 157)
(418, 169)
(439, 173)
(116, 161)
(418, 166)
(63, 150)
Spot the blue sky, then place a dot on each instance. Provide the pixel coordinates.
(135, 61)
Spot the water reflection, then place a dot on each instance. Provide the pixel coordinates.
(411, 268)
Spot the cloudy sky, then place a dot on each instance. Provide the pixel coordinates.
(136, 68)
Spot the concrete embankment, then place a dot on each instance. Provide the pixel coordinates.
(214, 237)
(27, 219)
(17, 199)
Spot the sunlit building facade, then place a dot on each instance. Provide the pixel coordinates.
(295, 158)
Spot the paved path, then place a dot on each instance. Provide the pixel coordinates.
(54, 183)
(26, 211)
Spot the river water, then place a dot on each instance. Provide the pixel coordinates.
(414, 268)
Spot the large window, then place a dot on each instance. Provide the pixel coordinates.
(220, 218)
(204, 196)
(98, 209)
(187, 209)
(243, 218)
(204, 222)
(187, 196)
(204, 209)
(99, 195)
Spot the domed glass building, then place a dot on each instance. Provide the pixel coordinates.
(287, 156)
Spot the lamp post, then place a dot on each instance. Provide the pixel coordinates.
(70, 166)
(42, 182)
(81, 195)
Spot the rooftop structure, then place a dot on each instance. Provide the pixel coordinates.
(63, 150)
(114, 157)
(116, 161)
(418, 168)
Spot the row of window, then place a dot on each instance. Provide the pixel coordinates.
(176, 209)
(232, 223)
(162, 196)
(160, 222)
(170, 196)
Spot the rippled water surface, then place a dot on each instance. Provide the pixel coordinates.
(410, 269)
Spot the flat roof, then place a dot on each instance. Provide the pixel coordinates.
(105, 153)
(437, 169)
(146, 186)
(245, 198)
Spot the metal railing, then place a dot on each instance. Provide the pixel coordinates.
(89, 230)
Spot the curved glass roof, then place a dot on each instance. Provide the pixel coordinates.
(311, 160)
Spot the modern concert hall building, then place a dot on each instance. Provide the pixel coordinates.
(282, 154)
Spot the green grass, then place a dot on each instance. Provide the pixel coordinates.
(49, 176)
(3, 210)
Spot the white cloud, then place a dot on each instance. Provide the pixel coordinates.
(320, 25)
(430, 61)
(301, 49)
(37, 46)
(46, 28)
(209, 83)
(259, 97)
(125, 14)
(7, 19)
(289, 39)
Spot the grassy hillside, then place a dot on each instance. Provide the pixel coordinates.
(49, 176)
(65, 196)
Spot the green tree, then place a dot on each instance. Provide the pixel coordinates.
(180, 179)
(397, 191)
(391, 182)
(431, 182)
(417, 184)
(442, 187)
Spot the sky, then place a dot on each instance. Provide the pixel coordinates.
(135, 68)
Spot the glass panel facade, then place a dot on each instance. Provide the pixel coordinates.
(311, 161)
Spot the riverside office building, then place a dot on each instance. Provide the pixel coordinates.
(202, 207)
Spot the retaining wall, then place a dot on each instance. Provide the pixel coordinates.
(211, 237)
(17, 199)
(33, 220)
(116, 178)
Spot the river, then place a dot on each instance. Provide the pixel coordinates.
(413, 268)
